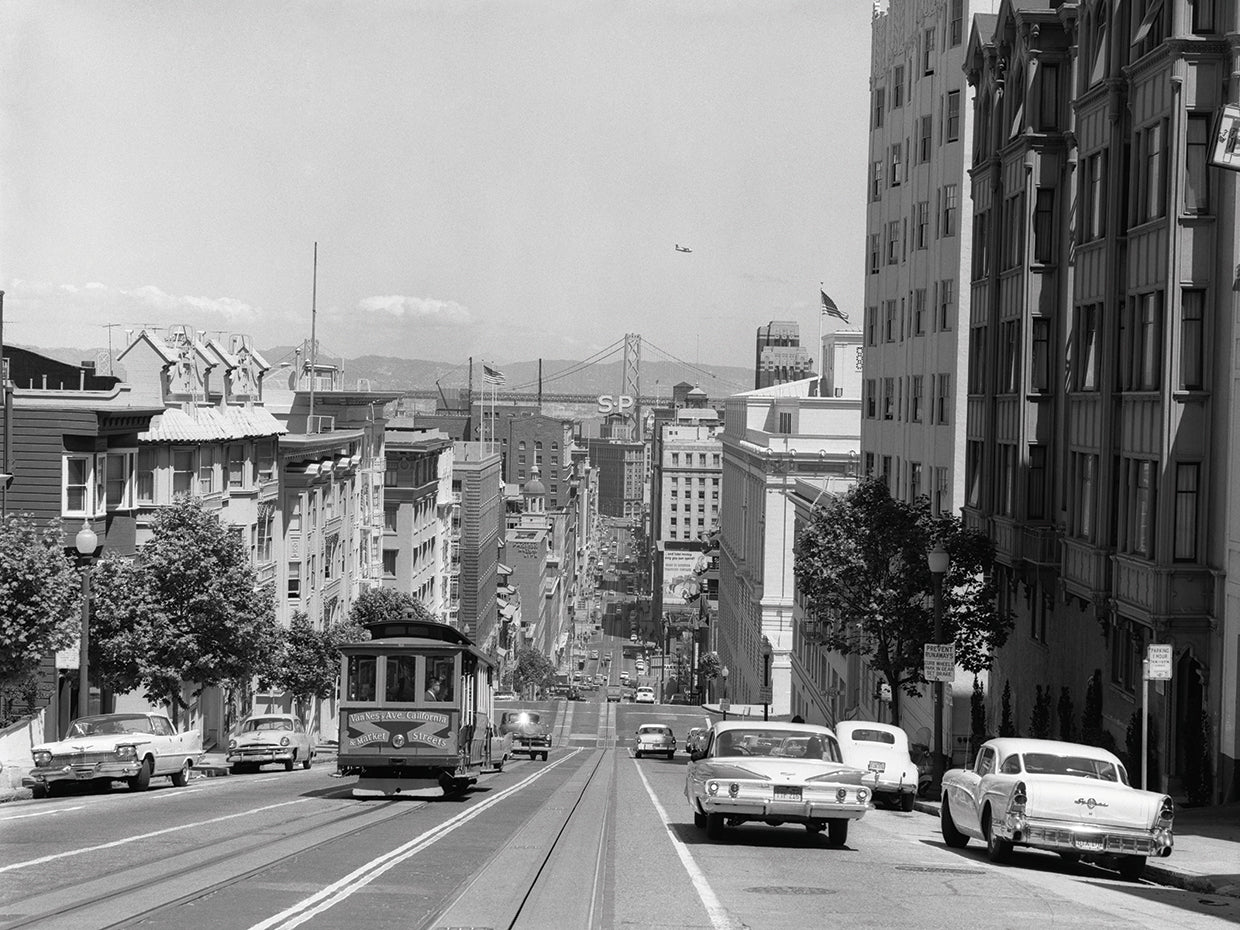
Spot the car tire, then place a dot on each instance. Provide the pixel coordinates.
(289, 763)
(715, 826)
(544, 757)
(906, 801)
(672, 754)
(142, 780)
(180, 778)
(637, 753)
(38, 792)
(699, 819)
(837, 831)
(306, 763)
(1131, 868)
(951, 836)
(998, 850)
(816, 826)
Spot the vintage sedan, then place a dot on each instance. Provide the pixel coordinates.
(775, 773)
(1063, 797)
(530, 736)
(654, 738)
(103, 748)
(882, 749)
(265, 738)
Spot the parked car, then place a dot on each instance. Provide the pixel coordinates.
(264, 738)
(655, 738)
(1063, 797)
(614, 694)
(775, 773)
(882, 749)
(103, 748)
(529, 734)
(644, 696)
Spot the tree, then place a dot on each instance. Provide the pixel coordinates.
(39, 597)
(1067, 730)
(309, 663)
(1006, 726)
(861, 564)
(186, 610)
(375, 605)
(977, 713)
(1040, 720)
(708, 668)
(532, 668)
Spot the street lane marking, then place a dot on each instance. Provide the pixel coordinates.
(58, 810)
(145, 836)
(363, 875)
(717, 913)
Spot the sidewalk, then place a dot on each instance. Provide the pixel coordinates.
(1206, 857)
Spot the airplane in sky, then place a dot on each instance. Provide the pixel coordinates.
(682, 248)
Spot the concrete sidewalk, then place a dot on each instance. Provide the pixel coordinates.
(1206, 857)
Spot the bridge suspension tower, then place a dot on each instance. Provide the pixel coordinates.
(631, 382)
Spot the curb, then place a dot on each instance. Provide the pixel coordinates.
(1154, 871)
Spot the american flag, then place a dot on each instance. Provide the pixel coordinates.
(830, 309)
(492, 375)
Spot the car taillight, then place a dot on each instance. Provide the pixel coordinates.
(1166, 813)
(863, 795)
(1020, 797)
(733, 790)
(713, 787)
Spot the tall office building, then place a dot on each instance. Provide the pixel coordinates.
(1102, 433)
(917, 251)
(780, 357)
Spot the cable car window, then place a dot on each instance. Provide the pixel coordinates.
(361, 678)
(440, 678)
(401, 682)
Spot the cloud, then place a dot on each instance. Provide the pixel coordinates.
(422, 309)
(147, 303)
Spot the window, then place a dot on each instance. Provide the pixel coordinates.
(893, 242)
(889, 321)
(236, 465)
(118, 483)
(953, 116)
(927, 51)
(1084, 483)
(871, 326)
(206, 469)
(919, 311)
(1192, 339)
(889, 397)
(1013, 250)
(1048, 97)
(361, 677)
(977, 360)
(915, 398)
(263, 549)
(871, 403)
(1040, 355)
(942, 494)
(1150, 33)
(946, 301)
(956, 23)
(785, 423)
(973, 472)
(265, 450)
(1035, 491)
(1196, 180)
(294, 581)
(77, 485)
(1093, 224)
(1141, 343)
(874, 253)
(146, 476)
(1044, 226)
(924, 139)
(880, 101)
(389, 562)
(914, 480)
(876, 181)
(1009, 357)
(390, 512)
(897, 88)
(1085, 354)
(1006, 455)
(942, 399)
(182, 471)
(981, 244)
(1150, 189)
(951, 208)
(1187, 483)
(1203, 16)
(1139, 538)
(894, 179)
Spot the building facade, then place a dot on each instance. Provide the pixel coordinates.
(417, 520)
(477, 488)
(780, 357)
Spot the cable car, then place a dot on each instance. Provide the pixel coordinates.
(416, 709)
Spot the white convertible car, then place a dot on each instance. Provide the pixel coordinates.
(109, 747)
(1063, 797)
(775, 773)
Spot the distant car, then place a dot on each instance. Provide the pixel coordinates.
(1062, 797)
(632, 637)
(103, 748)
(655, 738)
(624, 675)
(775, 773)
(593, 653)
(644, 696)
(883, 749)
(263, 738)
(614, 694)
(628, 693)
(530, 736)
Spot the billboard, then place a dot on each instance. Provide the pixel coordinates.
(684, 574)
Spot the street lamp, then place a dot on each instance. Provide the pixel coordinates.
(723, 702)
(86, 542)
(939, 561)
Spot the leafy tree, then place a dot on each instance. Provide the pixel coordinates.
(532, 668)
(861, 563)
(186, 610)
(1006, 726)
(377, 604)
(709, 667)
(1040, 720)
(310, 660)
(977, 713)
(1067, 730)
(39, 597)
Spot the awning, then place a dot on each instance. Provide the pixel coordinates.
(503, 569)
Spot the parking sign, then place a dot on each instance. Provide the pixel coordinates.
(1158, 659)
(939, 661)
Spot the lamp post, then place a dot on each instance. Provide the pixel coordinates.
(938, 561)
(723, 702)
(86, 542)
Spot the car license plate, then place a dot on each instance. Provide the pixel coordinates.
(788, 792)
(878, 766)
(1089, 842)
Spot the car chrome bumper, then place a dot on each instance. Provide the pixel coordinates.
(100, 770)
(262, 755)
(1085, 839)
(786, 810)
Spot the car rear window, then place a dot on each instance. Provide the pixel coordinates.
(1044, 763)
(874, 736)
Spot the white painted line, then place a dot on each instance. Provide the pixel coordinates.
(718, 915)
(144, 836)
(47, 813)
(364, 874)
(177, 793)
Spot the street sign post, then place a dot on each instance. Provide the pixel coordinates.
(939, 661)
(1156, 667)
(765, 690)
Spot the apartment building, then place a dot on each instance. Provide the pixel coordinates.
(779, 356)
(477, 487)
(917, 250)
(417, 516)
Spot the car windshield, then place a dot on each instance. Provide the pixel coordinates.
(778, 743)
(109, 724)
(1045, 763)
(266, 723)
(520, 719)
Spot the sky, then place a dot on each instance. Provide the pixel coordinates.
(505, 180)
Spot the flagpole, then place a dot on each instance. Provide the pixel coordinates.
(821, 310)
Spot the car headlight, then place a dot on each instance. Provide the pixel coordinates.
(232, 744)
(126, 752)
(712, 787)
(42, 757)
(284, 741)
